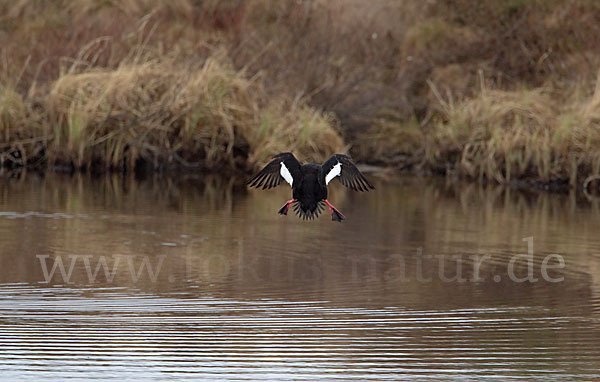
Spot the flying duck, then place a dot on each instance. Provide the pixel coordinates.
(309, 182)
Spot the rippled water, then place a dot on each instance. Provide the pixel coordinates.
(201, 279)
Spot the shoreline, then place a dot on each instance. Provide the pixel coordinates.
(382, 171)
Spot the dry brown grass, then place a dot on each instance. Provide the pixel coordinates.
(513, 135)
(125, 100)
(206, 116)
(202, 84)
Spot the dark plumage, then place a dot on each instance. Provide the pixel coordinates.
(309, 182)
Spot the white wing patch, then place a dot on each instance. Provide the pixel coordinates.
(335, 171)
(285, 173)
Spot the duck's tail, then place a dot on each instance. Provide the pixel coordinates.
(306, 212)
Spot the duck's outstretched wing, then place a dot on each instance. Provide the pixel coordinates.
(342, 165)
(284, 166)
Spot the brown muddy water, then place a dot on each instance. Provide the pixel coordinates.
(199, 279)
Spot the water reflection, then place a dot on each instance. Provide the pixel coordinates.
(197, 276)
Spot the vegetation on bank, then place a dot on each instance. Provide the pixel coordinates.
(503, 90)
(145, 105)
(523, 134)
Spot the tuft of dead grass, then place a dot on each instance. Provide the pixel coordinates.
(153, 110)
(163, 112)
(139, 82)
(515, 135)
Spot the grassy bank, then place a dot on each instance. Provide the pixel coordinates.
(499, 90)
(537, 134)
(160, 113)
(119, 101)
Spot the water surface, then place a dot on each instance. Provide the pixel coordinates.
(198, 278)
